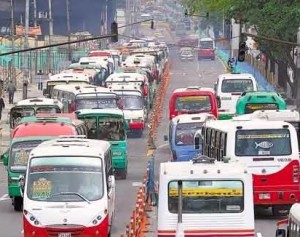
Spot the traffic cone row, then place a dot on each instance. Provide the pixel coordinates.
(139, 219)
(156, 114)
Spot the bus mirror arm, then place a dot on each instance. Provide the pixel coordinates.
(280, 233)
(165, 138)
(45, 92)
(22, 184)
(218, 102)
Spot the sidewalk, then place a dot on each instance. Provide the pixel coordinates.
(4, 123)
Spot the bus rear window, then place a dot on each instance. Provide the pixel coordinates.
(207, 196)
(193, 103)
(206, 44)
(250, 108)
(236, 85)
(185, 132)
(263, 142)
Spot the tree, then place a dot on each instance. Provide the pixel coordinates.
(278, 19)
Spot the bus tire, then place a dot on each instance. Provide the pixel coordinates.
(18, 203)
(122, 173)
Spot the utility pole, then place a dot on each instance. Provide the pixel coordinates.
(36, 38)
(26, 46)
(69, 29)
(12, 33)
(50, 32)
(297, 73)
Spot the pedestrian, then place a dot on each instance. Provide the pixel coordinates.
(11, 88)
(2, 106)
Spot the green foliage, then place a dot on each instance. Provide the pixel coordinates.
(278, 19)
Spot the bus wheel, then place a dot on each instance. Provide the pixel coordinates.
(122, 173)
(18, 203)
(281, 210)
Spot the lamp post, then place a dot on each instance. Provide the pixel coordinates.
(50, 32)
(12, 34)
(26, 46)
(69, 29)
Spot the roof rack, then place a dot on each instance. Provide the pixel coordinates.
(72, 136)
(202, 159)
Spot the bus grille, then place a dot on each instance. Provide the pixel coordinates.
(55, 230)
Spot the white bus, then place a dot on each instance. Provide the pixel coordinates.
(216, 199)
(292, 223)
(85, 97)
(69, 188)
(107, 62)
(133, 105)
(65, 79)
(229, 87)
(269, 148)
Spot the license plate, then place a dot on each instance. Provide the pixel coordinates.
(64, 235)
(264, 196)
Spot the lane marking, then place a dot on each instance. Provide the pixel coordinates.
(151, 151)
(4, 197)
(259, 234)
(163, 145)
(137, 184)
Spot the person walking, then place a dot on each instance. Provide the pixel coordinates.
(2, 106)
(11, 88)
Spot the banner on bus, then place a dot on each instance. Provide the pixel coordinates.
(193, 98)
(33, 30)
(220, 192)
(262, 106)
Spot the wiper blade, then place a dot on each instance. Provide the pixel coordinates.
(72, 193)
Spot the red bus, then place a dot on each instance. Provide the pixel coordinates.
(206, 49)
(193, 100)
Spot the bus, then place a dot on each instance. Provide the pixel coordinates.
(31, 107)
(85, 97)
(108, 125)
(269, 148)
(292, 223)
(75, 195)
(229, 88)
(207, 49)
(65, 79)
(28, 134)
(192, 100)
(100, 67)
(259, 100)
(182, 129)
(107, 61)
(204, 197)
(135, 107)
(180, 29)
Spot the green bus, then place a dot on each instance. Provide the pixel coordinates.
(249, 102)
(27, 135)
(109, 125)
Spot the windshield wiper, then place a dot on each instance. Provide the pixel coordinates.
(72, 193)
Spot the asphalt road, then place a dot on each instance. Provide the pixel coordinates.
(184, 74)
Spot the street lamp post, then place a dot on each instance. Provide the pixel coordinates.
(26, 46)
(50, 32)
(12, 33)
(35, 39)
(69, 29)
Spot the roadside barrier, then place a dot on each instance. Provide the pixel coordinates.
(156, 114)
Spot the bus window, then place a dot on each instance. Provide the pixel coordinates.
(220, 196)
(185, 132)
(193, 103)
(236, 85)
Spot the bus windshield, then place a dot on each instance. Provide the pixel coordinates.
(193, 103)
(236, 85)
(100, 102)
(251, 107)
(132, 102)
(207, 196)
(185, 132)
(263, 142)
(105, 128)
(206, 44)
(65, 179)
(19, 154)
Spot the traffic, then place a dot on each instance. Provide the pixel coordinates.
(225, 149)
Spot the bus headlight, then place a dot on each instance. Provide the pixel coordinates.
(97, 220)
(31, 218)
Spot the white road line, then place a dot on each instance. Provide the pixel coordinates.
(137, 184)
(4, 197)
(163, 145)
(259, 234)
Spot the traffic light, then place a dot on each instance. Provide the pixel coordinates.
(186, 13)
(207, 14)
(242, 52)
(114, 31)
(152, 24)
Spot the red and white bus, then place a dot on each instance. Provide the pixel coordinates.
(269, 148)
(69, 189)
(192, 100)
(207, 49)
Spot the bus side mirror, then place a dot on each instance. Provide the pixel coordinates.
(215, 87)
(197, 142)
(280, 233)
(45, 92)
(165, 138)
(126, 125)
(22, 184)
(4, 158)
(218, 102)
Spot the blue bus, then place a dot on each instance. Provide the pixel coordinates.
(182, 129)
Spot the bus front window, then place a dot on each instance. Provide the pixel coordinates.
(76, 179)
(192, 103)
(111, 130)
(19, 154)
(185, 132)
(93, 103)
(132, 102)
(236, 85)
